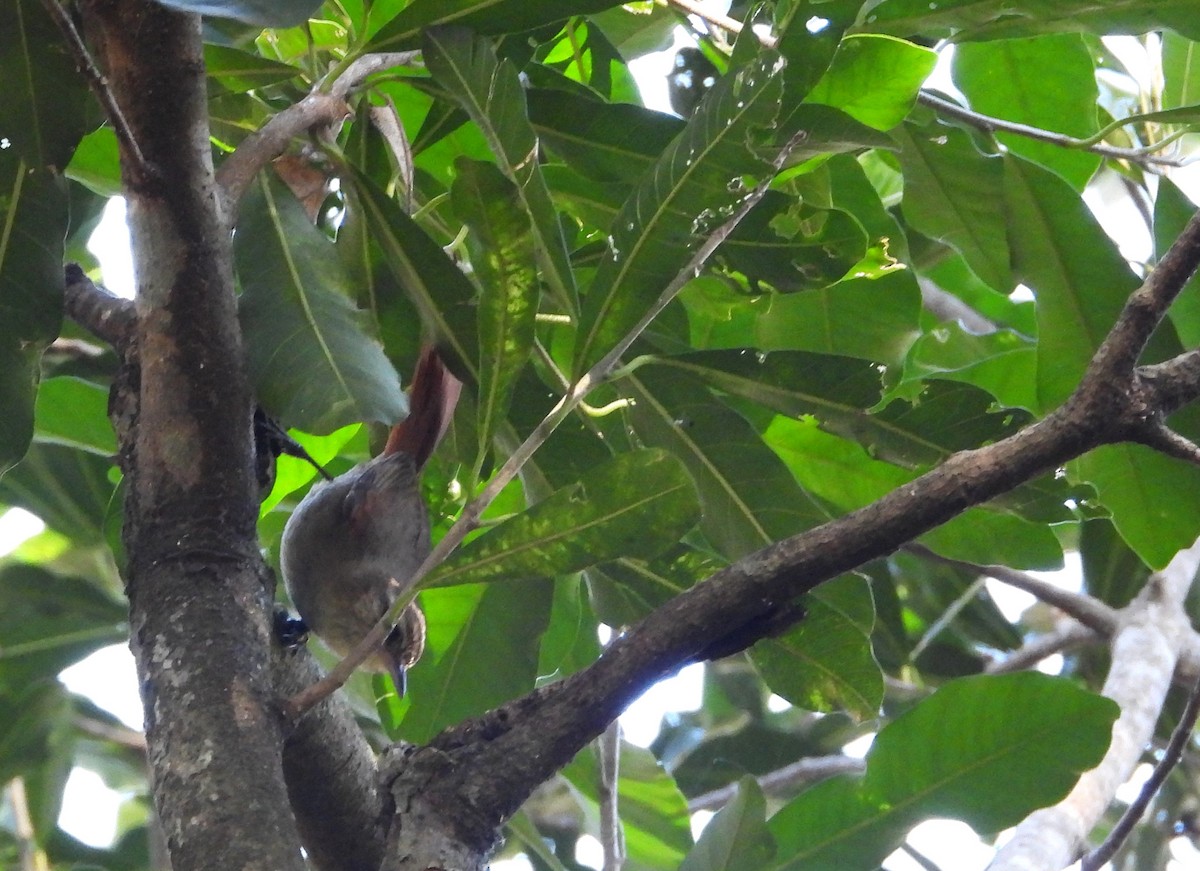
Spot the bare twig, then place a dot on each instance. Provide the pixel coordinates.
(1171, 756)
(32, 857)
(920, 858)
(784, 781)
(99, 85)
(468, 520)
(991, 125)
(1092, 613)
(693, 8)
(612, 838)
(1071, 634)
(1165, 440)
(325, 105)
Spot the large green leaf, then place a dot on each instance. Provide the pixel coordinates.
(985, 750)
(50, 621)
(502, 247)
(635, 505)
(1172, 211)
(1180, 70)
(872, 318)
(44, 110)
(1079, 278)
(484, 16)
(605, 141)
(472, 630)
(1154, 500)
(311, 353)
(692, 188)
(825, 663)
(490, 92)
(442, 294)
(1046, 82)
(69, 490)
(737, 838)
(33, 222)
(874, 79)
(950, 194)
(726, 458)
(990, 19)
(74, 413)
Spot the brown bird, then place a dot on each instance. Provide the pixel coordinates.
(352, 545)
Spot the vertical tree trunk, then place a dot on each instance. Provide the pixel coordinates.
(199, 594)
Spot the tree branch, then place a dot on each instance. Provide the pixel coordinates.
(1144, 653)
(988, 124)
(484, 768)
(1180, 737)
(200, 597)
(325, 105)
(1091, 612)
(468, 520)
(1067, 636)
(785, 781)
(106, 316)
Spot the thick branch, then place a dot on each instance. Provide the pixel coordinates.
(486, 767)
(104, 315)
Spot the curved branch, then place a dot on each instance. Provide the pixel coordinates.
(324, 106)
(104, 315)
(989, 124)
(1091, 612)
(785, 781)
(485, 768)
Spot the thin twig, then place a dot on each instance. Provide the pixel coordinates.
(1091, 612)
(991, 125)
(784, 781)
(612, 838)
(99, 85)
(1171, 756)
(1165, 440)
(722, 21)
(468, 520)
(1071, 634)
(919, 857)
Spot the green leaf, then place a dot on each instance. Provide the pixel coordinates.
(1172, 211)
(1181, 71)
(872, 318)
(874, 79)
(442, 294)
(825, 663)
(502, 249)
(1004, 363)
(737, 838)
(1112, 572)
(74, 413)
(44, 110)
(1046, 82)
(726, 459)
(33, 206)
(1079, 278)
(491, 94)
(69, 490)
(483, 16)
(50, 621)
(1154, 500)
(239, 71)
(604, 141)
(471, 628)
(986, 750)
(635, 505)
(265, 13)
(950, 194)
(693, 186)
(311, 354)
(96, 163)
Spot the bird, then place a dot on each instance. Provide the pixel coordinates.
(352, 545)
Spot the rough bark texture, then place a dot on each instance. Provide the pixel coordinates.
(332, 781)
(199, 595)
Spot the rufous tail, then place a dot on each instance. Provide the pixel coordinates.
(431, 400)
